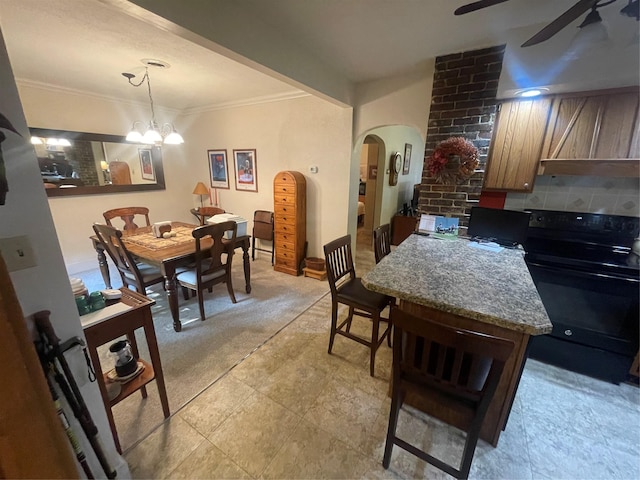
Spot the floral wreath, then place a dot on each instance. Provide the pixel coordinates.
(453, 160)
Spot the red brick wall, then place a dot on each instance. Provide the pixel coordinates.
(463, 104)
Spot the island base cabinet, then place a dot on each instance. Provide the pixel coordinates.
(498, 413)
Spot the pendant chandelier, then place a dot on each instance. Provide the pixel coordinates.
(150, 133)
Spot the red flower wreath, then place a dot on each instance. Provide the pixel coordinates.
(453, 160)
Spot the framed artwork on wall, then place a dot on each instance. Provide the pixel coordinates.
(407, 159)
(218, 168)
(146, 164)
(245, 166)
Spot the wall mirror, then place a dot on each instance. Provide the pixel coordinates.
(77, 163)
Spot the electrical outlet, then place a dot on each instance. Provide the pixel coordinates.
(17, 253)
(313, 169)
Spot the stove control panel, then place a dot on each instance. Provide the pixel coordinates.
(585, 222)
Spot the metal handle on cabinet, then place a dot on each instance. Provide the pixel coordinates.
(526, 185)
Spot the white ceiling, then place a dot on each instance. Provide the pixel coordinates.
(85, 45)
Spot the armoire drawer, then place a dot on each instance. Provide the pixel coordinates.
(287, 258)
(284, 199)
(287, 228)
(284, 218)
(286, 237)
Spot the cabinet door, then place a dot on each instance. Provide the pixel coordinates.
(602, 126)
(517, 142)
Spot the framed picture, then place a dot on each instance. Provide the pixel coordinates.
(245, 166)
(407, 159)
(146, 164)
(218, 168)
(373, 172)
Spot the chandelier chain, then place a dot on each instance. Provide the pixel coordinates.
(148, 79)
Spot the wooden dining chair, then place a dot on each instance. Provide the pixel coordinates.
(456, 370)
(346, 288)
(127, 215)
(202, 213)
(213, 261)
(382, 241)
(136, 274)
(262, 230)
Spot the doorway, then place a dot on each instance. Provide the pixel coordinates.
(368, 190)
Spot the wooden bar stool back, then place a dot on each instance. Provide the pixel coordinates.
(456, 370)
(347, 288)
(382, 241)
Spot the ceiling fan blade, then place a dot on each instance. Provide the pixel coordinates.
(472, 7)
(562, 21)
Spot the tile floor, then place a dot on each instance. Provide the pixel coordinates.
(290, 410)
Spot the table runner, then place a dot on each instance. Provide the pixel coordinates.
(148, 240)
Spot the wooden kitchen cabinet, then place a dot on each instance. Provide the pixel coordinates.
(516, 146)
(593, 133)
(290, 221)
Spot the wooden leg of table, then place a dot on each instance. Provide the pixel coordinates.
(152, 343)
(172, 297)
(104, 267)
(95, 360)
(247, 266)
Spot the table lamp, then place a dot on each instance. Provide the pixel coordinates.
(201, 190)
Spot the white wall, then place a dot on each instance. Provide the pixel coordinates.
(396, 111)
(287, 135)
(45, 286)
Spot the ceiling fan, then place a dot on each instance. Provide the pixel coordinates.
(581, 6)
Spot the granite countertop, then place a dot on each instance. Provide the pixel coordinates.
(450, 275)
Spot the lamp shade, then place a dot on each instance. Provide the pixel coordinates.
(200, 189)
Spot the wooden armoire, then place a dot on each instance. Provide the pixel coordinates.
(290, 221)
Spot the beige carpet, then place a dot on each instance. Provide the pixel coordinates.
(203, 351)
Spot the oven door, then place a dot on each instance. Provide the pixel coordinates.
(593, 309)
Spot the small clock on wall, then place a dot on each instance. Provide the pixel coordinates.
(396, 166)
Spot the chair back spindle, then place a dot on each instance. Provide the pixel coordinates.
(382, 241)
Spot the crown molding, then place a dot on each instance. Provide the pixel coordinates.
(57, 89)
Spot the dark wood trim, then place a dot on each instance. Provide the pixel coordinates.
(102, 189)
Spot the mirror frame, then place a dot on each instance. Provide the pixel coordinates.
(100, 189)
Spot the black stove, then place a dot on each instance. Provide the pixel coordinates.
(589, 282)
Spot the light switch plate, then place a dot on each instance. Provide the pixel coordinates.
(17, 253)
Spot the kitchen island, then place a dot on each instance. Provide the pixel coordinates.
(450, 282)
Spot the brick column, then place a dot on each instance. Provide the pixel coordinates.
(463, 104)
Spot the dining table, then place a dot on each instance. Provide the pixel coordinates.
(169, 254)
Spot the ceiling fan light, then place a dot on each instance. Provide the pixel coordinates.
(591, 34)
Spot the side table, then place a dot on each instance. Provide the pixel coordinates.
(131, 312)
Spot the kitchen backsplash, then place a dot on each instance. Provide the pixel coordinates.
(609, 195)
